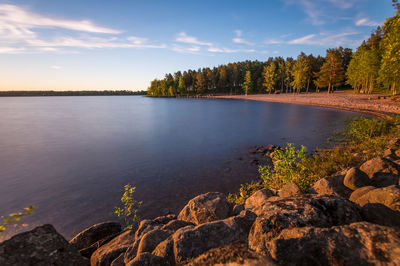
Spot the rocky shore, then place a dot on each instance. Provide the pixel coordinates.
(350, 218)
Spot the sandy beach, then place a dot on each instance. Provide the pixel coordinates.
(375, 104)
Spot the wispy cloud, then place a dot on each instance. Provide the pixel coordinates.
(18, 20)
(184, 38)
(229, 50)
(326, 39)
(20, 30)
(185, 50)
(238, 39)
(366, 22)
(55, 67)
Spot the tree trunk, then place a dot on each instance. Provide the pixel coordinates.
(329, 88)
(308, 85)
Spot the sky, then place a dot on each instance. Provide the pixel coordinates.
(124, 44)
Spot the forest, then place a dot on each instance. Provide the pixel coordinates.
(70, 93)
(373, 67)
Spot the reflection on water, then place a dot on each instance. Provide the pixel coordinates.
(71, 156)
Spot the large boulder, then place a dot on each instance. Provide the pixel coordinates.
(300, 211)
(110, 251)
(289, 190)
(355, 179)
(380, 214)
(93, 235)
(151, 239)
(205, 208)
(360, 192)
(332, 185)
(190, 242)
(152, 232)
(258, 198)
(388, 196)
(382, 171)
(40, 246)
(355, 244)
(147, 259)
(231, 255)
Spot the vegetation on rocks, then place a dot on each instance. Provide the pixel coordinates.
(129, 211)
(363, 139)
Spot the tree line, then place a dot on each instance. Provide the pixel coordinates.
(70, 93)
(373, 67)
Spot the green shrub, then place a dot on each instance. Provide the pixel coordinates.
(129, 210)
(364, 138)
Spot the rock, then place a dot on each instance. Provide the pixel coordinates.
(191, 242)
(166, 223)
(94, 233)
(175, 225)
(391, 154)
(356, 244)
(237, 209)
(359, 192)
(289, 190)
(231, 255)
(384, 180)
(40, 246)
(378, 166)
(380, 214)
(110, 251)
(206, 208)
(332, 185)
(119, 261)
(258, 198)
(147, 259)
(151, 239)
(300, 211)
(87, 252)
(355, 179)
(166, 250)
(394, 143)
(262, 149)
(165, 219)
(388, 196)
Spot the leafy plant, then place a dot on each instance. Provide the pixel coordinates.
(129, 211)
(15, 217)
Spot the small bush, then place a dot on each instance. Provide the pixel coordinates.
(129, 210)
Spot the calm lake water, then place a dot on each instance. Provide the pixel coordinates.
(71, 156)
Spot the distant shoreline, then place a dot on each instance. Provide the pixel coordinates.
(69, 93)
(372, 104)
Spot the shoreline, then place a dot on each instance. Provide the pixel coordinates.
(376, 104)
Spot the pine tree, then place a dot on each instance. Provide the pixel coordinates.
(389, 72)
(331, 74)
(247, 84)
(270, 77)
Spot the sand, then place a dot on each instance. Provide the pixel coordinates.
(378, 105)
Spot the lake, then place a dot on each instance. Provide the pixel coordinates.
(71, 156)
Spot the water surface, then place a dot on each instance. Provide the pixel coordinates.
(71, 156)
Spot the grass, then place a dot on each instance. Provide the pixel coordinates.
(363, 139)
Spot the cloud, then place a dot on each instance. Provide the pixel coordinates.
(184, 38)
(273, 41)
(326, 39)
(55, 67)
(19, 20)
(229, 50)
(303, 40)
(22, 32)
(11, 50)
(366, 22)
(240, 40)
(185, 50)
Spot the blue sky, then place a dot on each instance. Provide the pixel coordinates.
(124, 44)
